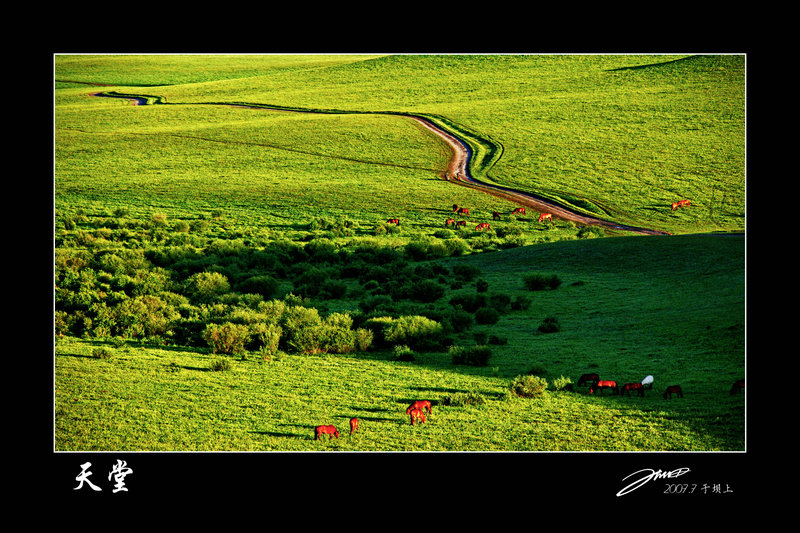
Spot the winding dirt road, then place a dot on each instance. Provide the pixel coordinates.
(458, 173)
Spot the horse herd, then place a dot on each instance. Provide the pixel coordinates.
(464, 211)
(416, 411)
(599, 385)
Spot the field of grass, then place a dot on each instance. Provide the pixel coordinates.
(147, 198)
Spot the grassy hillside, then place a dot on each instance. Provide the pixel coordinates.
(189, 220)
(668, 307)
(629, 141)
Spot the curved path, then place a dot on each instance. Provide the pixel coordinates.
(457, 170)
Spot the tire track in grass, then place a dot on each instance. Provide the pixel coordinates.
(458, 171)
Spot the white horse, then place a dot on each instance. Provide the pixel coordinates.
(648, 382)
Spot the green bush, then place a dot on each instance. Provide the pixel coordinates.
(528, 386)
(487, 315)
(471, 356)
(220, 365)
(413, 330)
(206, 286)
(563, 384)
(469, 302)
(539, 282)
(264, 285)
(227, 338)
(550, 325)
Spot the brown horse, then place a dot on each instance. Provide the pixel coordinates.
(737, 386)
(673, 389)
(495, 215)
(395, 221)
(628, 387)
(325, 430)
(604, 384)
(676, 205)
(588, 378)
(482, 226)
(449, 222)
(545, 216)
(463, 211)
(420, 404)
(417, 414)
(461, 223)
(353, 425)
(455, 208)
(518, 211)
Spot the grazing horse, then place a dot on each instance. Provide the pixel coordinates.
(604, 384)
(588, 378)
(463, 211)
(461, 223)
(455, 208)
(395, 221)
(737, 386)
(518, 211)
(545, 216)
(449, 222)
(673, 389)
(417, 414)
(648, 382)
(495, 215)
(325, 430)
(682, 203)
(353, 425)
(482, 226)
(421, 405)
(628, 387)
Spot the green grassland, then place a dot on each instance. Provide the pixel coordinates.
(287, 209)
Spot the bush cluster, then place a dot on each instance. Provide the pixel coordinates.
(528, 386)
(183, 282)
(538, 281)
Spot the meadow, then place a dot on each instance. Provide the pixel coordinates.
(226, 279)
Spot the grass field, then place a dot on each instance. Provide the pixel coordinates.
(190, 213)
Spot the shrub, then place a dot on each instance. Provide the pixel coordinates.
(471, 356)
(363, 339)
(469, 302)
(426, 291)
(205, 286)
(466, 272)
(550, 325)
(269, 335)
(220, 365)
(500, 302)
(487, 315)
(264, 285)
(413, 330)
(101, 353)
(528, 386)
(562, 384)
(460, 320)
(539, 282)
(482, 285)
(227, 338)
(402, 352)
(461, 399)
(333, 289)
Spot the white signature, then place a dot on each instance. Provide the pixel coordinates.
(651, 475)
